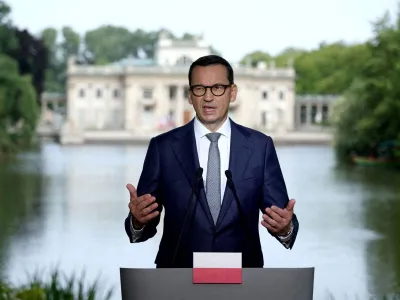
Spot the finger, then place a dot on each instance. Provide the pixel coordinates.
(276, 214)
(270, 221)
(137, 201)
(145, 201)
(291, 204)
(279, 211)
(269, 227)
(148, 209)
(132, 190)
(149, 217)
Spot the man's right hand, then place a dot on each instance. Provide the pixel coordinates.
(142, 208)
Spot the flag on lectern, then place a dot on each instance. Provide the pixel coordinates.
(217, 267)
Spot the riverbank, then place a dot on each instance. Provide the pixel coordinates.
(56, 286)
(127, 137)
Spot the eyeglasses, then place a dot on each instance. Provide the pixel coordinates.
(216, 89)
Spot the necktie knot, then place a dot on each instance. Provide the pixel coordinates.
(213, 136)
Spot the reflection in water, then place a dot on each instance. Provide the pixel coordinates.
(381, 207)
(21, 183)
(67, 205)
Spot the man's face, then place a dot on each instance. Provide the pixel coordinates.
(211, 104)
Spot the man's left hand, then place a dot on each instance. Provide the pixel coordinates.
(277, 220)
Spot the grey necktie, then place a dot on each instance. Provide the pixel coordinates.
(213, 184)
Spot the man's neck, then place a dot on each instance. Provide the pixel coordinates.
(213, 127)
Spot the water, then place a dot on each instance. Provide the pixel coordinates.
(66, 206)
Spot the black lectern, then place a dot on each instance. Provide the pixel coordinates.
(257, 283)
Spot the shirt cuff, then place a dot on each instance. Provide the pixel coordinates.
(285, 239)
(136, 233)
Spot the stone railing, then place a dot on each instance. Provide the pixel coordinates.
(115, 70)
(316, 98)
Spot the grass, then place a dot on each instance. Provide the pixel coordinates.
(396, 296)
(58, 286)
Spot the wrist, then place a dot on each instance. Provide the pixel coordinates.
(287, 231)
(136, 224)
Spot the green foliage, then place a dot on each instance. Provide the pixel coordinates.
(369, 112)
(57, 287)
(328, 70)
(19, 111)
(7, 38)
(254, 58)
(20, 85)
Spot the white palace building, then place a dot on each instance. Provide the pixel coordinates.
(135, 99)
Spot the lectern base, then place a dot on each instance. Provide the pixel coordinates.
(258, 283)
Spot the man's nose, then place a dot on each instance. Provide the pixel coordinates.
(208, 96)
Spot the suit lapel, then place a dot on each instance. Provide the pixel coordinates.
(240, 152)
(185, 149)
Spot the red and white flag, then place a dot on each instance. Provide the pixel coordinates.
(217, 267)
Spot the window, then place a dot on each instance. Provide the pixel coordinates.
(185, 91)
(147, 93)
(281, 95)
(173, 92)
(82, 93)
(313, 114)
(325, 112)
(98, 93)
(264, 95)
(116, 93)
(303, 114)
(183, 61)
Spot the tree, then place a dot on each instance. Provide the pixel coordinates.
(330, 69)
(19, 111)
(22, 65)
(370, 111)
(32, 57)
(7, 38)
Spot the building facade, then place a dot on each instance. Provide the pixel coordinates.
(137, 98)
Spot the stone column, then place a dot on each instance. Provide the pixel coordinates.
(319, 113)
(43, 106)
(308, 113)
(131, 107)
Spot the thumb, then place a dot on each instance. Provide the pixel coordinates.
(290, 205)
(132, 190)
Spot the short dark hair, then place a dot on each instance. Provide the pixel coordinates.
(209, 60)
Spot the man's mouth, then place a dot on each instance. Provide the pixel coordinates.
(208, 109)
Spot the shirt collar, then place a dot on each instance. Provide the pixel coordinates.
(200, 130)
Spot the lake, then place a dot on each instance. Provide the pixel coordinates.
(65, 206)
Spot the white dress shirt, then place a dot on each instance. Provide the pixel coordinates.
(203, 145)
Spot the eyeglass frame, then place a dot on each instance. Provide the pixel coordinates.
(226, 86)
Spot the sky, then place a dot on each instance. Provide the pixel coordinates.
(233, 28)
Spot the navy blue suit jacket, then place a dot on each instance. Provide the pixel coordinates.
(169, 173)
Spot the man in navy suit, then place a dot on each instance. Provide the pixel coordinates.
(241, 176)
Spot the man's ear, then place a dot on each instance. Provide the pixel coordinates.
(234, 91)
(190, 97)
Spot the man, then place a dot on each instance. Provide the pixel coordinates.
(223, 214)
